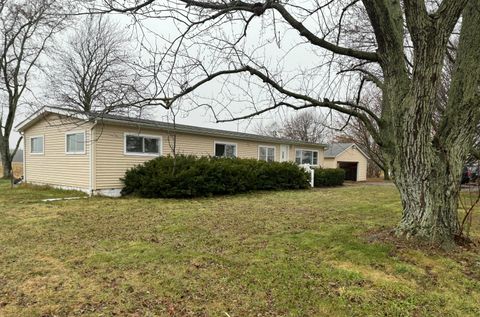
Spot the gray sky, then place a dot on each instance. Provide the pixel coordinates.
(287, 54)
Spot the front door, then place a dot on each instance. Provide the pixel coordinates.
(283, 153)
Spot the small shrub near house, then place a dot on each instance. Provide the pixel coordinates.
(190, 176)
(329, 177)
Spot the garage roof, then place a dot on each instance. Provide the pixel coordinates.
(335, 149)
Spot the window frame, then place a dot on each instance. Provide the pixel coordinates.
(267, 147)
(225, 143)
(148, 136)
(309, 150)
(84, 142)
(43, 144)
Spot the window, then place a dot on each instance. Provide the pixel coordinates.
(225, 150)
(266, 153)
(306, 157)
(75, 143)
(36, 145)
(142, 144)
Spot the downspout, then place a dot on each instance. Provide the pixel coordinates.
(25, 156)
(90, 160)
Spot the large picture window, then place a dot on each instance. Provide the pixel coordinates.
(142, 144)
(75, 143)
(36, 145)
(225, 149)
(306, 157)
(266, 153)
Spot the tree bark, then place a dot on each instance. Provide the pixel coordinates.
(6, 158)
(386, 174)
(430, 204)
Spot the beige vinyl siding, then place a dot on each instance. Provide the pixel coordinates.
(54, 166)
(111, 162)
(350, 155)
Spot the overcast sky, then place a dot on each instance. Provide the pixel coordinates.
(300, 56)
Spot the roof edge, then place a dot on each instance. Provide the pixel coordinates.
(27, 122)
(24, 124)
(353, 144)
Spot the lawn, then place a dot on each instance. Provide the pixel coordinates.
(293, 253)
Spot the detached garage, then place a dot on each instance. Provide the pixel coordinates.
(348, 157)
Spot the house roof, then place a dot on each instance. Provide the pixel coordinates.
(335, 149)
(111, 118)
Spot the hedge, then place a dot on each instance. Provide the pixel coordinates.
(190, 176)
(329, 177)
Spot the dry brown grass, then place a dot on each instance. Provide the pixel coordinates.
(291, 253)
(17, 169)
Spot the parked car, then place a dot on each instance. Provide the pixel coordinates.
(465, 175)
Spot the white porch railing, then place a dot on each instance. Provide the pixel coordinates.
(310, 170)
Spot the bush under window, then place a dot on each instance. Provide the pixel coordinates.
(190, 176)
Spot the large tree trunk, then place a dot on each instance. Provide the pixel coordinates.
(430, 203)
(386, 174)
(426, 157)
(6, 158)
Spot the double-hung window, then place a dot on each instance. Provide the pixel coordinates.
(306, 157)
(266, 153)
(36, 145)
(225, 149)
(142, 144)
(75, 143)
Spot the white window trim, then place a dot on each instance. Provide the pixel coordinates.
(224, 143)
(84, 142)
(43, 144)
(268, 147)
(150, 136)
(310, 150)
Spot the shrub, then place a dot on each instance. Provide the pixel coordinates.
(190, 176)
(329, 177)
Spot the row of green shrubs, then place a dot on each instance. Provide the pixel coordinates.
(325, 177)
(191, 176)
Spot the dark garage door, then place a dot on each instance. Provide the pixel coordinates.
(350, 170)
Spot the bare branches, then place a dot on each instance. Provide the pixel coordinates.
(95, 71)
(370, 56)
(27, 30)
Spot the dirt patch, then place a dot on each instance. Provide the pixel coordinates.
(388, 236)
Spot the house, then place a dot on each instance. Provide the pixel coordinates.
(91, 153)
(349, 157)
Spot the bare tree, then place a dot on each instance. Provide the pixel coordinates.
(354, 131)
(401, 48)
(308, 126)
(95, 70)
(27, 28)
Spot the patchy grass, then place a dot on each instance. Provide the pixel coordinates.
(294, 253)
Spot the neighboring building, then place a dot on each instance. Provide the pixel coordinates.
(349, 157)
(74, 150)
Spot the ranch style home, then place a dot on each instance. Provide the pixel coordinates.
(91, 153)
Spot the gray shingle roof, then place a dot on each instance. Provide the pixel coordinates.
(112, 118)
(336, 148)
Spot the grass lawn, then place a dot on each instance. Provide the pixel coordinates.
(294, 253)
